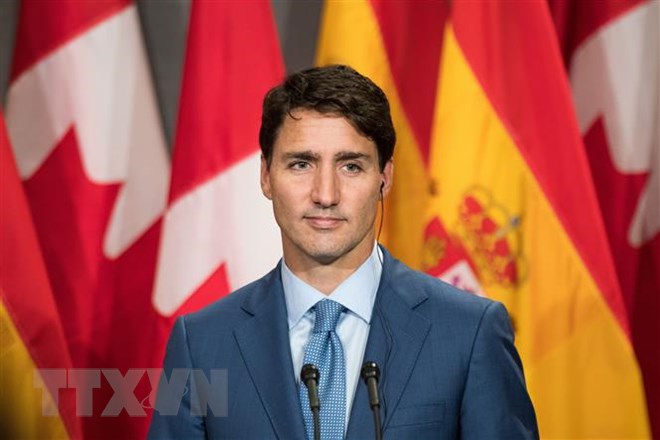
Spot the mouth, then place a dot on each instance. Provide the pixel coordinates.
(324, 222)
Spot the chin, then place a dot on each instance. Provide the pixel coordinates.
(324, 249)
(331, 252)
(325, 256)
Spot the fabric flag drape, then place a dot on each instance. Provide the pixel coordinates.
(27, 403)
(612, 51)
(90, 151)
(219, 232)
(510, 208)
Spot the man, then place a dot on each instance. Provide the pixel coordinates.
(449, 368)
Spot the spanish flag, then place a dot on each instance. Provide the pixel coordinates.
(493, 192)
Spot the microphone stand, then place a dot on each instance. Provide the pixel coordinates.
(309, 375)
(371, 373)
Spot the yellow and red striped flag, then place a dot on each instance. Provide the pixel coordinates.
(493, 192)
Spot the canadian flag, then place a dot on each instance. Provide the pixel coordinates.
(219, 232)
(613, 52)
(32, 335)
(90, 150)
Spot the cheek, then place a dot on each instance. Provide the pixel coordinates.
(365, 201)
(286, 202)
(290, 194)
(283, 216)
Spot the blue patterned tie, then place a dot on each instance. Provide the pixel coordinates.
(324, 350)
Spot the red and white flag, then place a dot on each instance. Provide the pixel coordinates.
(612, 49)
(32, 335)
(219, 232)
(90, 150)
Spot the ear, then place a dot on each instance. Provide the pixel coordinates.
(265, 179)
(387, 176)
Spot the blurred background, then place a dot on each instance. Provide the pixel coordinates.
(164, 25)
(527, 170)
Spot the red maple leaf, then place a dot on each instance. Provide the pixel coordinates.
(71, 214)
(638, 269)
(105, 305)
(618, 196)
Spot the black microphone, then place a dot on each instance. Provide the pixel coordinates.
(309, 375)
(371, 373)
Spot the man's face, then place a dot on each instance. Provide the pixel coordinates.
(324, 181)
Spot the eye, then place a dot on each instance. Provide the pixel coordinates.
(299, 165)
(353, 167)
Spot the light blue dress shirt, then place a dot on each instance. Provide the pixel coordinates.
(357, 294)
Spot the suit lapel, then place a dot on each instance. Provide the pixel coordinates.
(360, 424)
(396, 336)
(264, 345)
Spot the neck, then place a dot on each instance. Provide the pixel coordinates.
(326, 277)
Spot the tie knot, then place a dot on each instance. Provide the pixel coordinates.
(327, 315)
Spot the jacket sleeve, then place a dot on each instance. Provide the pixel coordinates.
(173, 415)
(495, 402)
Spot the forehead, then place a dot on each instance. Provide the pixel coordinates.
(321, 133)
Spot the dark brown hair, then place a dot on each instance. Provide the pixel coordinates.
(338, 90)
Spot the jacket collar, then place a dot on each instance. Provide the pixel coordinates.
(263, 341)
(395, 339)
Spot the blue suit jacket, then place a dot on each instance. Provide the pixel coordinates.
(449, 368)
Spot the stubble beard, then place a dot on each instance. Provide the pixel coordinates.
(326, 251)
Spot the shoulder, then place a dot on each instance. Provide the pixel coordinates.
(230, 311)
(437, 300)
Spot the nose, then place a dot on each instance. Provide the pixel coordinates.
(325, 191)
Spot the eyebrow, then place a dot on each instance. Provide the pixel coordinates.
(351, 155)
(308, 155)
(301, 155)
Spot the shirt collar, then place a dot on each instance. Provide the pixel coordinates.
(357, 292)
